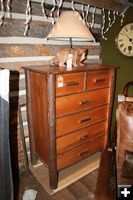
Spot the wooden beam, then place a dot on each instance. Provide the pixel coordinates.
(42, 19)
(68, 5)
(107, 4)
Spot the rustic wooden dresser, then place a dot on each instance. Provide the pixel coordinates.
(68, 114)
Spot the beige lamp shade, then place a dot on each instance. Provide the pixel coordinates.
(70, 25)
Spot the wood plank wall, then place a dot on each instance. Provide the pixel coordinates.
(17, 51)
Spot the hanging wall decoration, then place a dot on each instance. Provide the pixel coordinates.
(2, 12)
(52, 11)
(59, 7)
(8, 6)
(43, 9)
(86, 17)
(93, 17)
(114, 18)
(122, 18)
(73, 7)
(88, 12)
(83, 12)
(109, 19)
(103, 25)
(110, 22)
(28, 17)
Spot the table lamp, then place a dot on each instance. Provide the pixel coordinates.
(70, 27)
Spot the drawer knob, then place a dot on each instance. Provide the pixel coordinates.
(84, 137)
(97, 80)
(72, 83)
(85, 102)
(84, 152)
(85, 119)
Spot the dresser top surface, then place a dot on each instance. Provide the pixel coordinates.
(47, 69)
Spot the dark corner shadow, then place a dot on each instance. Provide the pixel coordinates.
(13, 129)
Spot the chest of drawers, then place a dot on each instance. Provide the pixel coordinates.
(68, 114)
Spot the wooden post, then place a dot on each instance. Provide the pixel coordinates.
(51, 133)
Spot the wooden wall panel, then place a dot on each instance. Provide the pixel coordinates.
(20, 7)
(39, 26)
(18, 50)
(37, 29)
(21, 50)
(16, 27)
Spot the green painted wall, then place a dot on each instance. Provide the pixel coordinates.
(111, 56)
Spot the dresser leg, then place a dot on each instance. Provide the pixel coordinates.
(53, 180)
(34, 158)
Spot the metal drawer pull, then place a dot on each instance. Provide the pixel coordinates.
(85, 102)
(84, 152)
(84, 137)
(72, 83)
(97, 80)
(85, 119)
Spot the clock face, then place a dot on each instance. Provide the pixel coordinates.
(124, 40)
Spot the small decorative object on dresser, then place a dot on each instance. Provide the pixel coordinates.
(79, 55)
(68, 114)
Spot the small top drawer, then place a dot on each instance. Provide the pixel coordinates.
(69, 83)
(98, 79)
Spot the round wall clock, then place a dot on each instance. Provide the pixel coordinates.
(124, 40)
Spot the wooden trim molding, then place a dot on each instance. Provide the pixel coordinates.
(36, 58)
(29, 40)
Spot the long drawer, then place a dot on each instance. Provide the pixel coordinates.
(68, 158)
(76, 121)
(82, 101)
(76, 138)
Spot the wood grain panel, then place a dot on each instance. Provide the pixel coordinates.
(73, 122)
(77, 138)
(79, 153)
(98, 79)
(78, 102)
(71, 83)
(18, 50)
(38, 113)
(16, 27)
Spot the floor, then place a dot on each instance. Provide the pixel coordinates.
(82, 189)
